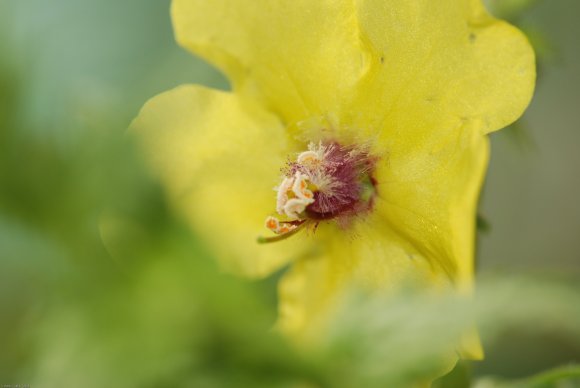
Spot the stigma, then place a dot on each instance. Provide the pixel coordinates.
(326, 182)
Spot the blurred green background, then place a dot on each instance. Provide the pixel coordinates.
(159, 314)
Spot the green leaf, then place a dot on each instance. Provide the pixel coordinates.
(564, 376)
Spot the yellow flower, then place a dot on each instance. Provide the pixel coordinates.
(400, 93)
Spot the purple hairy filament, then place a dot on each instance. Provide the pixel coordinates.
(329, 181)
(342, 174)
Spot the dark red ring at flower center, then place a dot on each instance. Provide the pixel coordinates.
(349, 187)
(317, 215)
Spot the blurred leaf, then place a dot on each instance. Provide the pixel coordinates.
(483, 225)
(544, 47)
(459, 377)
(519, 134)
(509, 9)
(562, 377)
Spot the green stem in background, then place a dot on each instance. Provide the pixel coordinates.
(547, 379)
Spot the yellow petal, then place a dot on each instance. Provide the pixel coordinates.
(428, 184)
(371, 256)
(421, 231)
(448, 57)
(299, 57)
(429, 191)
(218, 157)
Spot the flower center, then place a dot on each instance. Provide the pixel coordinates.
(329, 181)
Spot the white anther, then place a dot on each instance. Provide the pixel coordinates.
(309, 158)
(282, 196)
(294, 207)
(275, 226)
(300, 187)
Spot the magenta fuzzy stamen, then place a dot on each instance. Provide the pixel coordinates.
(329, 181)
(342, 173)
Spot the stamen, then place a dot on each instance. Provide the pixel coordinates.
(329, 181)
(282, 196)
(300, 187)
(297, 226)
(273, 224)
(309, 157)
(278, 227)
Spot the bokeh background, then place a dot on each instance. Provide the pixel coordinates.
(150, 309)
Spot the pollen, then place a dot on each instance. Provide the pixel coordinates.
(294, 195)
(300, 187)
(282, 196)
(278, 227)
(309, 158)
